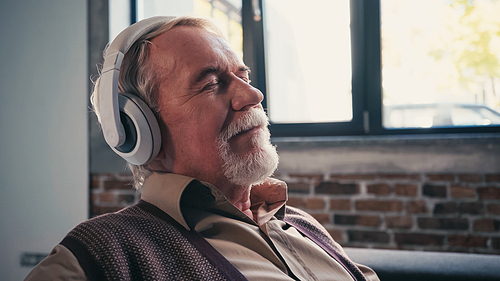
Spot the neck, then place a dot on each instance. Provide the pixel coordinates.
(239, 196)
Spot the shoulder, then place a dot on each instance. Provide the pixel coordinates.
(132, 217)
(113, 240)
(120, 231)
(130, 221)
(61, 264)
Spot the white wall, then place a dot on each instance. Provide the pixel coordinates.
(43, 126)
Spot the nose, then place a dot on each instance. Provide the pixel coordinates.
(244, 96)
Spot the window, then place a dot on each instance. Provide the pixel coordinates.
(441, 57)
(376, 67)
(308, 69)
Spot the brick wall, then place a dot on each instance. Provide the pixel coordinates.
(110, 192)
(430, 212)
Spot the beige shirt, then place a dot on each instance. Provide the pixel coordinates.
(264, 249)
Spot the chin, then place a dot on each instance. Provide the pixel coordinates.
(253, 167)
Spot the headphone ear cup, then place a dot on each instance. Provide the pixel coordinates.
(143, 138)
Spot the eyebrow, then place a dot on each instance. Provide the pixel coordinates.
(207, 71)
(213, 69)
(247, 69)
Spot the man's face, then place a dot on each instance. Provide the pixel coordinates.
(212, 119)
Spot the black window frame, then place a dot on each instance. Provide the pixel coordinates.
(366, 77)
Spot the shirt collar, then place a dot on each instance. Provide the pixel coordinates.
(268, 199)
(165, 190)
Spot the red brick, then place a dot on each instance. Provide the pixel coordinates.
(372, 221)
(418, 239)
(445, 208)
(298, 187)
(322, 218)
(470, 178)
(340, 204)
(379, 205)
(399, 222)
(315, 204)
(126, 198)
(379, 189)
(489, 192)
(106, 197)
(116, 184)
(443, 223)
(400, 176)
(314, 178)
(406, 189)
(441, 177)
(460, 191)
(492, 178)
(434, 190)
(93, 197)
(336, 188)
(486, 225)
(368, 236)
(473, 208)
(469, 241)
(295, 202)
(94, 184)
(494, 209)
(417, 207)
(336, 235)
(354, 177)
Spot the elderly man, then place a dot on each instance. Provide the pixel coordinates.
(194, 129)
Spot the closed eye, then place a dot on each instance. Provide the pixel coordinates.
(214, 85)
(246, 79)
(210, 86)
(245, 74)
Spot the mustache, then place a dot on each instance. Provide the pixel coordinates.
(252, 118)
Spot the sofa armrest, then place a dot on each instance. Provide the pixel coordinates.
(428, 266)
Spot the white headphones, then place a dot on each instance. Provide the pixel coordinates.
(129, 126)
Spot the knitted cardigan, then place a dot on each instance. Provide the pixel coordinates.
(142, 242)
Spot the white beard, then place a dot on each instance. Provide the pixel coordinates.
(256, 166)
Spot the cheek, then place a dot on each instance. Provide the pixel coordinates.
(210, 116)
(196, 131)
(199, 120)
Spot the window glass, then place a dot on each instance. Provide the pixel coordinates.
(440, 62)
(119, 17)
(462, 116)
(225, 13)
(308, 60)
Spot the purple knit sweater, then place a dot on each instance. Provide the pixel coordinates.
(142, 242)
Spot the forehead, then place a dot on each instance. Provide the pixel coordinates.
(192, 47)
